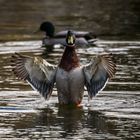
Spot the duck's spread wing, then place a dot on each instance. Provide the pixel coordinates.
(98, 72)
(36, 71)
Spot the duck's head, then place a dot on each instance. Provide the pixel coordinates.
(70, 39)
(48, 28)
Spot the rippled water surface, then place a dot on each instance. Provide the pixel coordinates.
(114, 114)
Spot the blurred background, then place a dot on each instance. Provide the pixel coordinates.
(109, 19)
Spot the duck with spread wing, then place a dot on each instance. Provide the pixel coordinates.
(70, 77)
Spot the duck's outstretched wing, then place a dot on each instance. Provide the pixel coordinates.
(98, 72)
(36, 71)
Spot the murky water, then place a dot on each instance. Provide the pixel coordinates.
(110, 18)
(114, 114)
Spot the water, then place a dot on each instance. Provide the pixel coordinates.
(113, 114)
(107, 19)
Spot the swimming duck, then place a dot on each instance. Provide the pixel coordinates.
(70, 77)
(52, 38)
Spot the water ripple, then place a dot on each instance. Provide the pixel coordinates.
(112, 114)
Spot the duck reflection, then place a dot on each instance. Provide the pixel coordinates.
(66, 121)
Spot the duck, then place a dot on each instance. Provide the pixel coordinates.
(69, 76)
(83, 38)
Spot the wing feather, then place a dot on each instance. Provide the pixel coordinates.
(98, 72)
(36, 71)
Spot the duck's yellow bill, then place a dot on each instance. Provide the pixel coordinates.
(70, 40)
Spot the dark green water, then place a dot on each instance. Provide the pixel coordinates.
(114, 114)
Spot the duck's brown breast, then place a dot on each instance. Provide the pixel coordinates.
(69, 59)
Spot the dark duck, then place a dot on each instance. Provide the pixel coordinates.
(70, 77)
(82, 38)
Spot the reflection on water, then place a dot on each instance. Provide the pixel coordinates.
(114, 114)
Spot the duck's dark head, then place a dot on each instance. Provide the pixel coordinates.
(47, 27)
(70, 39)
